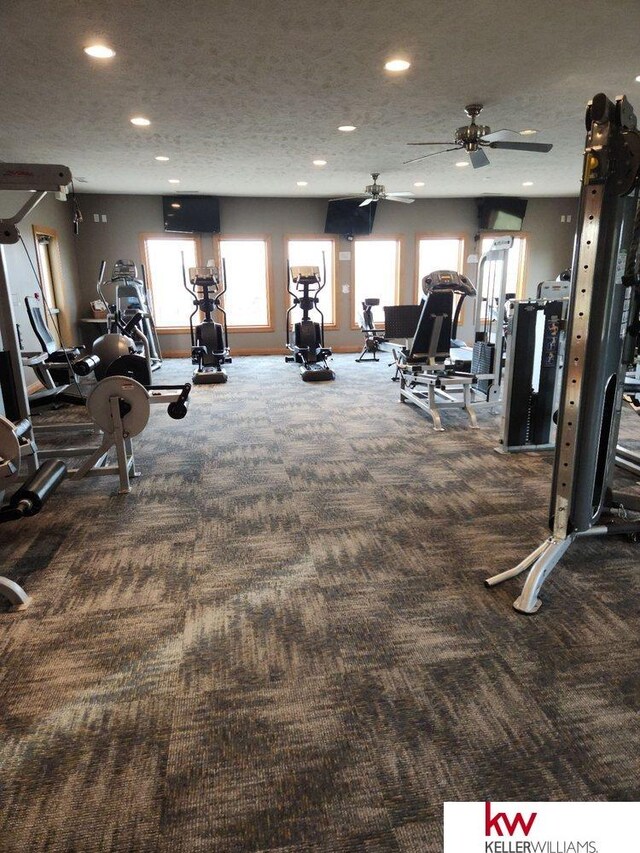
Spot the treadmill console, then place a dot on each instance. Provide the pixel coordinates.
(447, 280)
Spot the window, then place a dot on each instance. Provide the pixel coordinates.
(172, 305)
(308, 252)
(438, 253)
(51, 281)
(376, 274)
(515, 263)
(247, 298)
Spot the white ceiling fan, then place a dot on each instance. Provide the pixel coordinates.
(376, 192)
(473, 138)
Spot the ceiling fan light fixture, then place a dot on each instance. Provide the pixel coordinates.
(397, 65)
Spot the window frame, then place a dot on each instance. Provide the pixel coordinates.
(371, 238)
(523, 268)
(437, 235)
(163, 235)
(217, 240)
(324, 238)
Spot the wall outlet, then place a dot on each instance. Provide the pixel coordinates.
(569, 218)
(346, 288)
(96, 217)
(104, 217)
(344, 256)
(563, 218)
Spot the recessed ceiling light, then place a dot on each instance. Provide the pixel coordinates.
(638, 79)
(99, 51)
(527, 183)
(529, 131)
(462, 163)
(397, 65)
(319, 162)
(347, 128)
(140, 121)
(175, 204)
(302, 183)
(174, 180)
(419, 184)
(162, 159)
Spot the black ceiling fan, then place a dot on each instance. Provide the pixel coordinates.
(376, 192)
(474, 137)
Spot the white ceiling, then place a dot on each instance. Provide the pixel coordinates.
(244, 94)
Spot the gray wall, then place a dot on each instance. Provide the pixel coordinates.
(57, 216)
(550, 246)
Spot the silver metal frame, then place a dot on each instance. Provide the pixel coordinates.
(442, 392)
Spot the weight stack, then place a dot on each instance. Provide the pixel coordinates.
(482, 362)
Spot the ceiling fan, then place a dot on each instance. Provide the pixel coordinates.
(376, 192)
(474, 137)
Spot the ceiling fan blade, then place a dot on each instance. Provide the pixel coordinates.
(424, 156)
(540, 147)
(388, 195)
(504, 135)
(366, 202)
(428, 143)
(401, 199)
(478, 158)
(347, 197)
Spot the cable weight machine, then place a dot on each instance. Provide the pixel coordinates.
(603, 325)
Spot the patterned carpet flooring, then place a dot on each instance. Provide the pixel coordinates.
(280, 640)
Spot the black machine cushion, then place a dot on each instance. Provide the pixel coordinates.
(438, 304)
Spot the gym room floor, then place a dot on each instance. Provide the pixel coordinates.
(281, 641)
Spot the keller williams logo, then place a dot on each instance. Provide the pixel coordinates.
(499, 820)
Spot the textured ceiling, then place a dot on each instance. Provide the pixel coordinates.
(244, 94)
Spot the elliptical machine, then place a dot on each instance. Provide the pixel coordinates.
(125, 349)
(307, 347)
(209, 340)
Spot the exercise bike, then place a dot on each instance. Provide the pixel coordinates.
(209, 340)
(307, 347)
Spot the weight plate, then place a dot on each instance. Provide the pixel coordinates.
(130, 392)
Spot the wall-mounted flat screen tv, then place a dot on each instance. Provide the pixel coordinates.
(190, 214)
(501, 213)
(347, 218)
